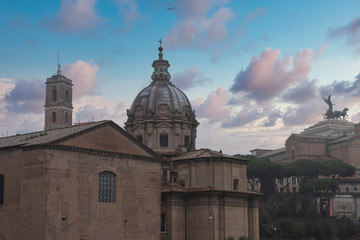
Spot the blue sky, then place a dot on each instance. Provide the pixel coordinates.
(255, 71)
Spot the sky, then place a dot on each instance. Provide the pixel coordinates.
(254, 71)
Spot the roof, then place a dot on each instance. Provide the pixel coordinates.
(306, 136)
(57, 136)
(159, 93)
(273, 152)
(161, 90)
(206, 153)
(166, 187)
(44, 137)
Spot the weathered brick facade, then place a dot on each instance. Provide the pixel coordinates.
(51, 190)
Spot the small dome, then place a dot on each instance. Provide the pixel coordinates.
(151, 97)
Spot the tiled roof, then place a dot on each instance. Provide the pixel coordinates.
(57, 135)
(205, 153)
(44, 137)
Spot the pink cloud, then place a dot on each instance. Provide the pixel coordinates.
(26, 96)
(128, 10)
(215, 25)
(350, 32)
(84, 77)
(247, 115)
(251, 16)
(195, 25)
(321, 50)
(268, 76)
(189, 78)
(214, 107)
(74, 16)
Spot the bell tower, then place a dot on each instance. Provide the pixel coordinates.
(58, 101)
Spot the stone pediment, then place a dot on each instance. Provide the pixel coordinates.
(163, 125)
(106, 139)
(138, 127)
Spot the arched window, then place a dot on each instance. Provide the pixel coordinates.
(66, 118)
(294, 189)
(53, 117)
(107, 187)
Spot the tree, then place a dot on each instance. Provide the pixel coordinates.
(337, 169)
(307, 172)
(265, 172)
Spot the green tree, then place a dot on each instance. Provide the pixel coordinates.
(265, 172)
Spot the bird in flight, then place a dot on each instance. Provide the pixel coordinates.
(171, 8)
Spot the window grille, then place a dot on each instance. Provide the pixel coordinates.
(107, 187)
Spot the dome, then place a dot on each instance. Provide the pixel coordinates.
(161, 91)
(158, 93)
(161, 115)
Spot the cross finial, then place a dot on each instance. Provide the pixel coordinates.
(160, 42)
(59, 66)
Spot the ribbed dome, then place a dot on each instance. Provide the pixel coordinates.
(161, 115)
(161, 93)
(161, 90)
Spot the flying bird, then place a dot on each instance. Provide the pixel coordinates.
(171, 8)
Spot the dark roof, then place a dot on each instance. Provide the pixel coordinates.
(50, 137)
(45, 137)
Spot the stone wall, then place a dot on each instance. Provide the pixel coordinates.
(53, 194)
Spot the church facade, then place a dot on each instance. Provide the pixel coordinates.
(100, 181)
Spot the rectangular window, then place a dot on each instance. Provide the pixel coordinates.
(293, 180)
(164, 140)
(54, 97)
(236, 184)
(53, 117)
(107, 187)
(163, 223)
(2, 189)
(281, 181)
(187, 140)
(292, 154)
